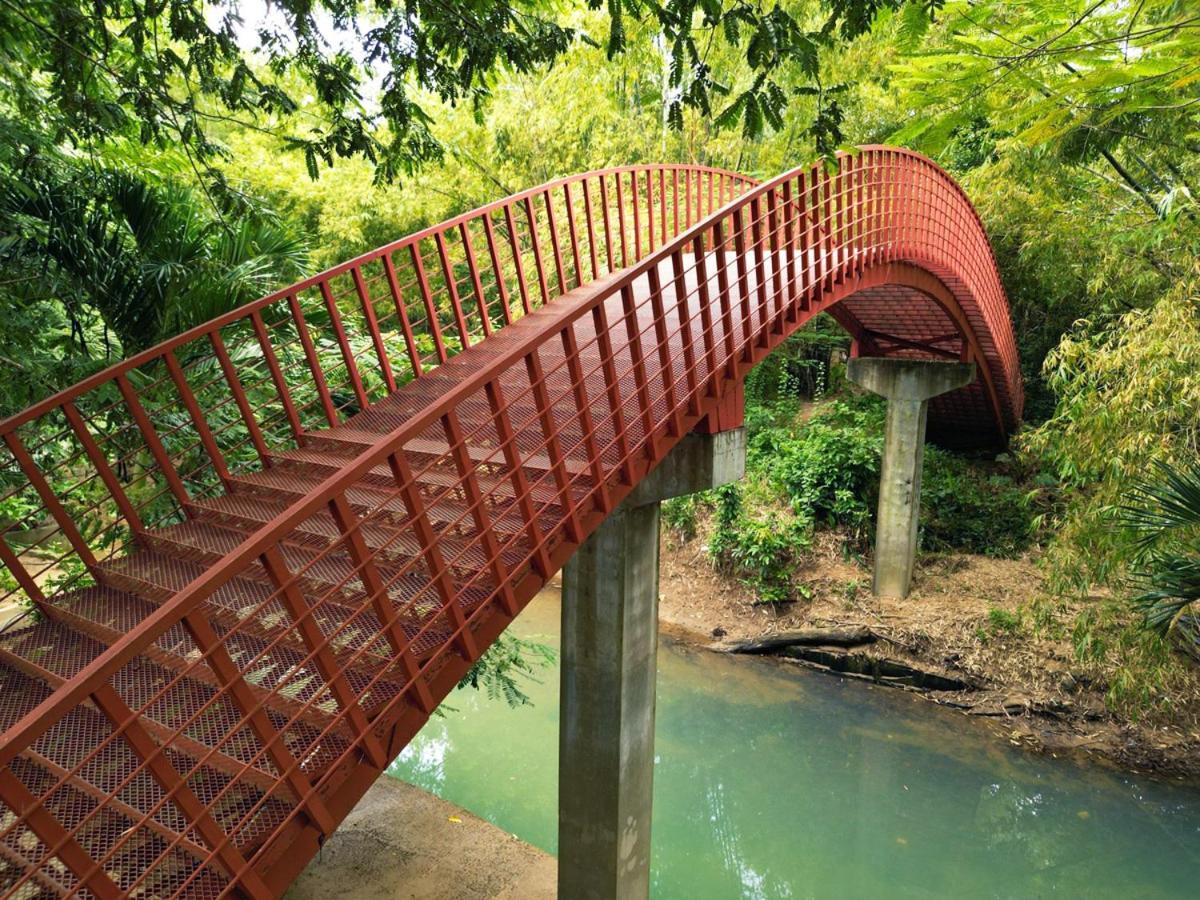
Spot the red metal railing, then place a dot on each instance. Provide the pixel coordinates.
(262, 552)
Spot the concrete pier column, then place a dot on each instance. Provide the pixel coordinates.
(908, 385)
(609, 648)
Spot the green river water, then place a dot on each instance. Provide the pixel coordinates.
(773, 782)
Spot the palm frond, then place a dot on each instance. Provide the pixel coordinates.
(1167, 503)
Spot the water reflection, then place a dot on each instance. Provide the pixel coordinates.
(773, 783)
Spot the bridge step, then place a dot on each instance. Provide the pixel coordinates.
(396, 545)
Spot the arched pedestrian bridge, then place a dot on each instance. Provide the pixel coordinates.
(258, 555)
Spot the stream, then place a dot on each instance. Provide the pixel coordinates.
(775, 782)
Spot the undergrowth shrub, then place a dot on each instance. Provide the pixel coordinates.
(964, 507)
(828, 471)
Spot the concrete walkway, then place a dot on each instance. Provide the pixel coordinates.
(401, 843)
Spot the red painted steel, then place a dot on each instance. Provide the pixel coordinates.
(259, 554)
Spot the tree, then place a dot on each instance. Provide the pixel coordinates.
(150, 260)
(1112, 87)
(167, 71)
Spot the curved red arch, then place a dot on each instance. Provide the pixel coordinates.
(281, 538)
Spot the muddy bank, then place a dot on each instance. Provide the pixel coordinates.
(400, 842)
(956, 640)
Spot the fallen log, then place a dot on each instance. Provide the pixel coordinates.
(817, 637)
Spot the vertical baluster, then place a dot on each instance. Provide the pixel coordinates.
(685, 331)
(706, 321)
(839, 212)
(649, 213)
(476, 283)
(469, 482)
(633, 332)
(758, 237)
(518, 263)
(584, 411)
(591, 228)
(789, 244)
(662, 205)
(687, 197)
(381, 353)
(154, 444)
(281, 386)
(439, 574)
(504, 431)
(410, 340)
(777, 258)
(156, 763)
(51, 503)
(431, 315)
(675, 198)
(612, 388)
(663, 342)
(314, 363)
(804, 242)
(335, 319)
(239, 397)
(739, 249)
(23, 578)
(497, 270)
(460, 319)
(637, 216)
(621, 220)
(608, 241)
(537, 250)
(724, 297)
(572, 232)
(96, 455)
(207, 439)
(552, 226)
(830, 228)
(558, 462)
(349, 526)
(302, 613)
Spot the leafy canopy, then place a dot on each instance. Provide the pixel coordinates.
(355, 78)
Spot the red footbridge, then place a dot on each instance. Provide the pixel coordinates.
(253, 559)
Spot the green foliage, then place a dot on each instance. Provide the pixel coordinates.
(829, 468)
(1165, 514)
(146, 260)
(679, 515)
(505, 664)
(966, 507)
(764, 553)
(338, 79)
(726, 521)
(1003, 621)
(1128, 395)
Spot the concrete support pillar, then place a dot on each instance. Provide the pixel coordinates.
(609, 648)
(908, 385)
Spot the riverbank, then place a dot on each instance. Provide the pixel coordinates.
(962, 623)
(402, 842)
